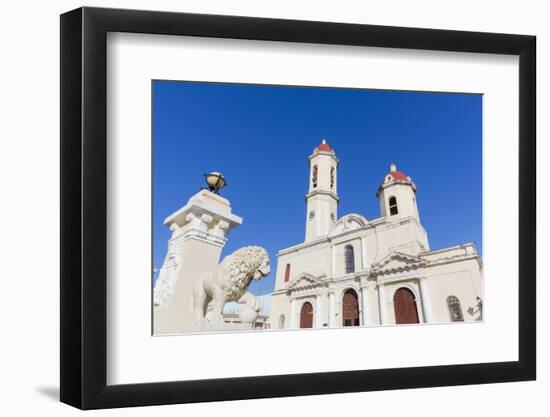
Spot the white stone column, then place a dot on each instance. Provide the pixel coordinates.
(363, 254)
(292, 323)
(333, 260)
(372, 305)
(382, 305)
(318, 313)
(332, 309)
(199, 232)
(425, 297)
(364, 306)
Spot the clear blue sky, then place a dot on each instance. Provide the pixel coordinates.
(260, 138)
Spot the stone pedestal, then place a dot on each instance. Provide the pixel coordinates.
(199, 232)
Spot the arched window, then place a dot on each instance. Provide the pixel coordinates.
(306, 316)
(314, 176)
(350, 309)
(350, 259)
(404, 305)
(287, 272)
(332, 178)
(455, 310)
(393, 206)
(282, 321)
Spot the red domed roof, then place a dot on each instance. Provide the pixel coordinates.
(323, 147)
(394, 174)
(399, 175)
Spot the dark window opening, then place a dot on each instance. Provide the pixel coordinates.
(455, 310)
(287, 272)
(350, 259)
(314, 176)
(393, 206)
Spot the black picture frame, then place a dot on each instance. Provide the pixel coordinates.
(84, 207)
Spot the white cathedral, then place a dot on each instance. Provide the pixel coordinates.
(350, 271)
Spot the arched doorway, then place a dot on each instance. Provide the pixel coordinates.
(306, 316)
(404, 305)
(350, 309)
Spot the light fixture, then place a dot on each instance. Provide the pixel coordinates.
(215, 181)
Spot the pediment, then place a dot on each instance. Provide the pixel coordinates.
(304, 281)
(398, 261)
(348, 223)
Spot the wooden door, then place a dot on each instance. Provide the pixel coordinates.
(306, 316)
(350, 309)
(404, 306)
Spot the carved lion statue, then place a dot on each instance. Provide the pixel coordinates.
(229, 282)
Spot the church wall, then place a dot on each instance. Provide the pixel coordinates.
(459, 250)
(406, 202)
(314, 260)
(324, 162)
(323, 208)
(279, 305)
(340, 255)
(461, 279)
(406, 236)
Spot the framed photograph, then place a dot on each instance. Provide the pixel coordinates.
(261, 208)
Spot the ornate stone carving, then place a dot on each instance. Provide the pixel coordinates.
(175, 229)
(167, 279)
(229, 282)
(206, 219)
(348, 223)
(221, 228)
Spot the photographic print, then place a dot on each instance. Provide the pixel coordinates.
(300, 207)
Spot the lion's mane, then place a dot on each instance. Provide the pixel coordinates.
(240, 267)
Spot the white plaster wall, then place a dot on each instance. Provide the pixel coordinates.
(313, 260)
(406, 236)
(279, 305)
(316, 258)
(340, 255)
(406, 201)
(463, 280)
(324, 164)
(322, 205)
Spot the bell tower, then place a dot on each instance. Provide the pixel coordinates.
(322, 198)
(397, 196)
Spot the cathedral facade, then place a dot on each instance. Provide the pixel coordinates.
(350, 271)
